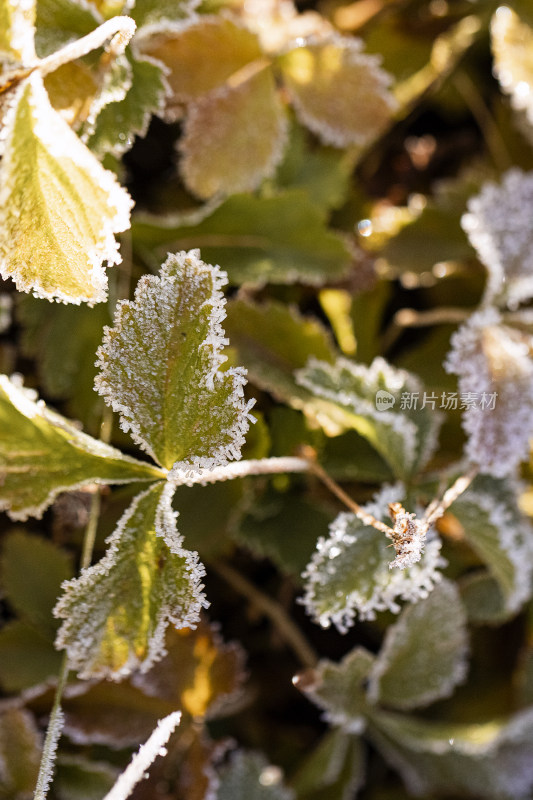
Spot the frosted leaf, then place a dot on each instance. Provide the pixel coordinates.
(116, 612)
(512, 47)
(43, 454)
(338, 92)
(278, 23)
(498, 226)
(17, 21)
(385, 405)
(200, 53)
(424, 654)
(246, 119)
(335, 768)
(501, 535)
(59, 208)
(154, 12)
(20, 752)
(349, 574)
(249, 776)
(114, 128)
(339, 689)
(496, 387)
(490, 760)
(160, 368)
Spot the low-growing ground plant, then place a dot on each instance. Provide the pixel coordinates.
(266, 400)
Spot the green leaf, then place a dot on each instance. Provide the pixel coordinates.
(152, 12)
(490, 760)
(483, 599)
(249, 776)
(246, 118)
(59, 208)
(200, 53)
(324, 172)
(77, 778)
(339, 689)
(257, 240)
(27, 657)
(349, 573)
(338, 92)
(43, 454)
(20, 753)
(59, 22)
(333, 771)
(22, 555)
(383, 404)
(423, 656)
(180, 407)
(16, 31)
(116, 612)
(119, 122)
(501, 536)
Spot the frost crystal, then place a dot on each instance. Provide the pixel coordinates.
(349, 574)
(498, 224)
(408, 536)
(492, 361)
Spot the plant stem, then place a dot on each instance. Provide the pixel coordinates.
(239, 469)
(289, 632)
(436, 508)
(359, 512)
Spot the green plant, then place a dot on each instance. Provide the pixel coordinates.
(392, 624)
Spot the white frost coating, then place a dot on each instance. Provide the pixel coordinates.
(25, 401)
(82, 629)
(135, 772)
(362, 401)
(23, 29)
(492, 358)
(515, 534)
(498, 224)
(341, 607)
(46, 771)
(242, 469)
(337, 135)
(408, 536)
(140, 344)
(55, 135)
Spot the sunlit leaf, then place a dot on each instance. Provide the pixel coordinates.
(20, 753)
(501, 536)
(180, 407)
(512, 43)
(496, 391)
(200, 673)
(334, 770)
(386, 405)
(257, 240)
(121, 120)
(246, 119)
(115, 614)
(340, 689)
(61, 21)
(42, 454)
(152, 12)
(423, 656)
(201, 54)
(490, 760)
(340, 93)
(59, 209)
(349, 574)
(72, 89)
(249, 776)
(24, 554)
(16, 31)
(497, 226)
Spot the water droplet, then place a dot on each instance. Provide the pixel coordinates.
(364, 227)
(270, 776)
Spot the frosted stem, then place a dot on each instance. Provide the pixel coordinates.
(119, 30)
(55, 725)
(436, 509)
(239, 469)
(148, 752)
